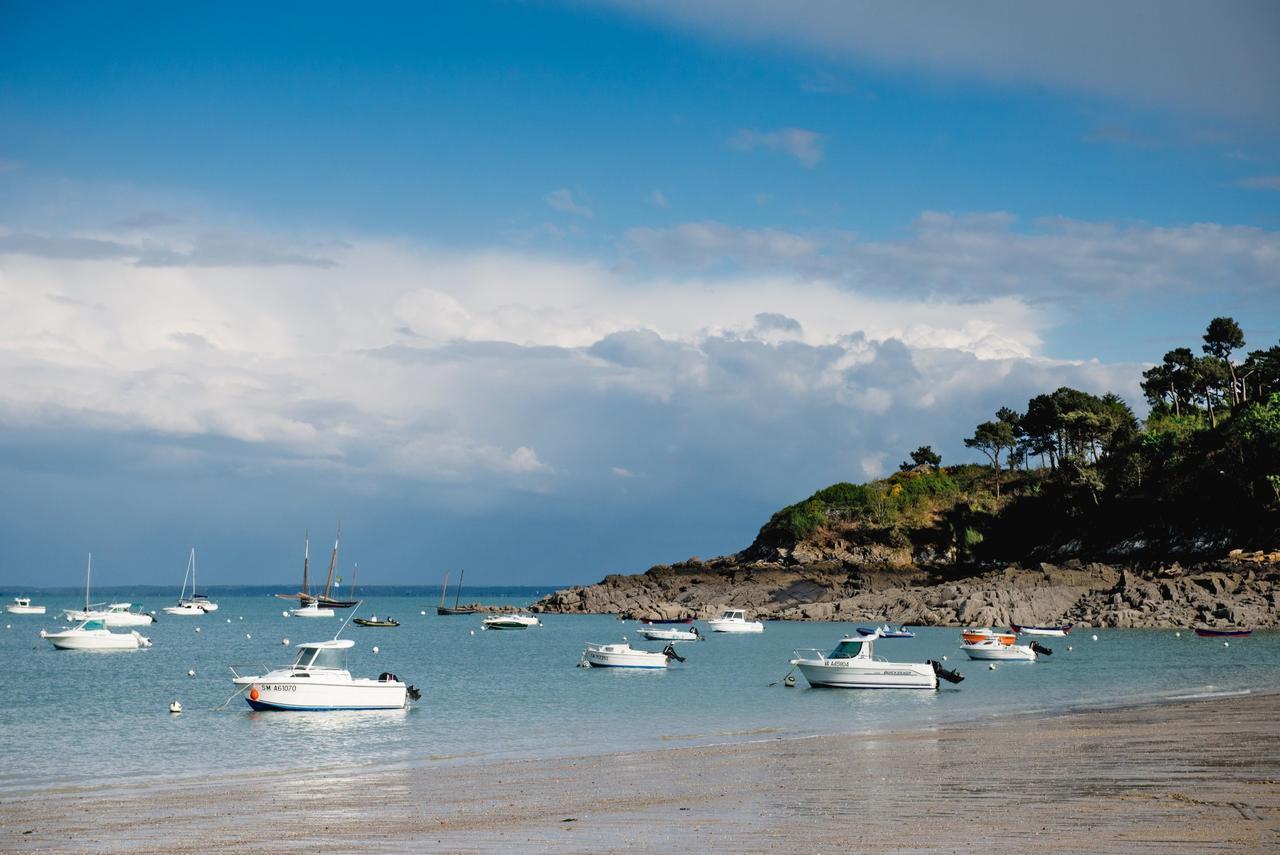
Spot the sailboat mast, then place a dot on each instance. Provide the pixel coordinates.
(306, 559)
(458, 591)
(193, 572)
(444, 588)
(88, 572)
(333, 560)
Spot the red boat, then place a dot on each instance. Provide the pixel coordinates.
(1222, 633)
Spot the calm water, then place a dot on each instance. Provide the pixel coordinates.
(519, 694)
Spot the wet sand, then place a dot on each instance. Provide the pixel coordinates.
(1195, 776)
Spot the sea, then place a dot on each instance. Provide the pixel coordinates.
(71, 717)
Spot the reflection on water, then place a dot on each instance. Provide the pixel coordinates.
(519, 694)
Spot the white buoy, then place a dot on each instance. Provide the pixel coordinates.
(944, 659)
(1177, 635)
(247, 635)
(228, 620)
(8, 626)
(1095, 638)
(375, 648)
(197, 629)
(473, 632)
(285, 642)
(241, 617)
(153, 612)
(1226, 644)
(191, 672)
(1069, 647)
(175, 707)
(991, 667)
(282, 614)
(424, 614)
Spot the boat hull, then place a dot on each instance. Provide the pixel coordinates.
(601, 656)
(445, 610)
(1050, 631)
(25, 610)
(1223, 633)
(510, 622)
(95, 640)
(183, 611)
(318, 695)
(999, 652)
(741, 627)
(862, 674)
(668, 635)
(112, 618)
(307, 612)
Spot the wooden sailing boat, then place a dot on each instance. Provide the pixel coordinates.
(305, 595)
(442, 609)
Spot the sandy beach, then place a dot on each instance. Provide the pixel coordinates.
(1193, 776)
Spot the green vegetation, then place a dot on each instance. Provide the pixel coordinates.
(1079, 473)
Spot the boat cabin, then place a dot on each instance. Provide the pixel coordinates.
(734, 614)
(323, 655)
(22, 601)
(851, 648)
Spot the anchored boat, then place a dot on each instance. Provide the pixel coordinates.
(510, 622)
(735, 620)
(851, 665)
(22, 606)
(94, 635)
(373, 621)
(455, 609)
(625, 656)
(886, 631)
(670, 633)
(190, 607)
(1206, 632)
(318, 680)
(1054, 631)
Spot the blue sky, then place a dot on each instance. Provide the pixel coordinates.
(550, 290)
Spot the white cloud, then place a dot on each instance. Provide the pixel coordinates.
(1260, 182)
(805, 146)
(1202, 57)
(562, 200)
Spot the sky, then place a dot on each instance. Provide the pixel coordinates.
(552, 290)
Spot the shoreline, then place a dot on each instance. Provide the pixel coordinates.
(1190, 775)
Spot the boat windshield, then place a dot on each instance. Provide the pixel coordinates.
(321, 657)
(731, 614)
(93, 624)
(847, 649)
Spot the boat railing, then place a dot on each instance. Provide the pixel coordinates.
(261, 669)
(819, 655)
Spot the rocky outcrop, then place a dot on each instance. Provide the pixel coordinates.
(1227, 593)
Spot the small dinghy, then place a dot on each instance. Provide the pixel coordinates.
(666, 620)
(1004, 648)
(1207, 632)
(886, 631)
(625, 656)
(510, 622)
(1053, 631)
(671, 634)
(373, 621)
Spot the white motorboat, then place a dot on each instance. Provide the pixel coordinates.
(999, 648)
(851, 665)
(318, 679)
(22, 606)
(114, 614)
(735, 620)
(624, 656)
(510, 622)
(196, 605)
(94, 635)
(312, 609)
(1051, 631)
(666, 633)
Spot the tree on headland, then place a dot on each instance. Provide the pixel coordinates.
(922, 456)
(1222, 336)
(993, 439)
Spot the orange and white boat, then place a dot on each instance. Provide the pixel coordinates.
(975, 636)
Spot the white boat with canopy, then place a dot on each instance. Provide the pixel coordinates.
(851, 665)
(113, 614)
(22, 606)
(195, 606)
(625, 656)
(94, 635)
(319, 680)
(735, 620)
(510, 622)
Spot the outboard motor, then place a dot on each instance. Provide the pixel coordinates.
(670, 652)
(945, 674)
(414, 694)
(1041, 649)
(696, 634)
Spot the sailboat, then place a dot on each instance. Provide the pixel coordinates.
(193, 606)
(442, 609)
(323, 601)
(114, 614)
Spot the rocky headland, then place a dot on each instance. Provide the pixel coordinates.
(1230, 592)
